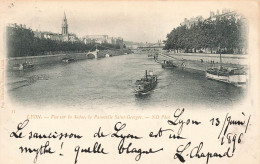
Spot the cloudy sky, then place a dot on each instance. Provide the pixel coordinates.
(134, 21)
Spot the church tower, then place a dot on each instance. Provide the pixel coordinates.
(64, 25)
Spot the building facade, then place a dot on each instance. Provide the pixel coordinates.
(192, 21)
(103, 39)
(226, 13)
(95, 39)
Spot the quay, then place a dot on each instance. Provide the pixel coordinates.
(57, 58)
(50, 59)
(201, 62)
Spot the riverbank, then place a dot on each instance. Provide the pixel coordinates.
(202, 62)
(57, 58)
(47, 60)
(44, 59)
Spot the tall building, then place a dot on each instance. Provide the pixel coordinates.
(64, 25)
(64, 31)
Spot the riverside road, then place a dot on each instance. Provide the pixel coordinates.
(108, 82)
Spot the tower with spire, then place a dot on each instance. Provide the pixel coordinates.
(65, 32)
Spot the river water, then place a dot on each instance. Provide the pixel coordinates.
(109, 82)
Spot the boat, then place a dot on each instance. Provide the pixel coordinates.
(238, 77)
(153, 55)
(68, 60)
(18, 67)
(232, 75)
(168, 64)
(145, 84)
(24, 66)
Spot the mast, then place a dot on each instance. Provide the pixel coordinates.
(220, 61)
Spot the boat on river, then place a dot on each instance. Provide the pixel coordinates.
(236, 76)
(155, 55)
(145, 84)
(68, 60)
(24, 66)
(168, 64)
(232, 75)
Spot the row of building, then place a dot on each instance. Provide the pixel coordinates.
(73, 38)
(102, 39)
(66, 36)
(213, 16)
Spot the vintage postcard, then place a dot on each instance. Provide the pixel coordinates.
(129, 82)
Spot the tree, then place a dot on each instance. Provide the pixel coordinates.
(225, 33)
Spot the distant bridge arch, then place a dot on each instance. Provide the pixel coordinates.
(91, 54)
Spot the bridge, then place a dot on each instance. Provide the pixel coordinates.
(94, 53)
(143, 47)
(155, 45)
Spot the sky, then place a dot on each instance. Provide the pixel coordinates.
(133, 21)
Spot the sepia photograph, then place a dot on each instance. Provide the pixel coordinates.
(142, 82)
(133, 54)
